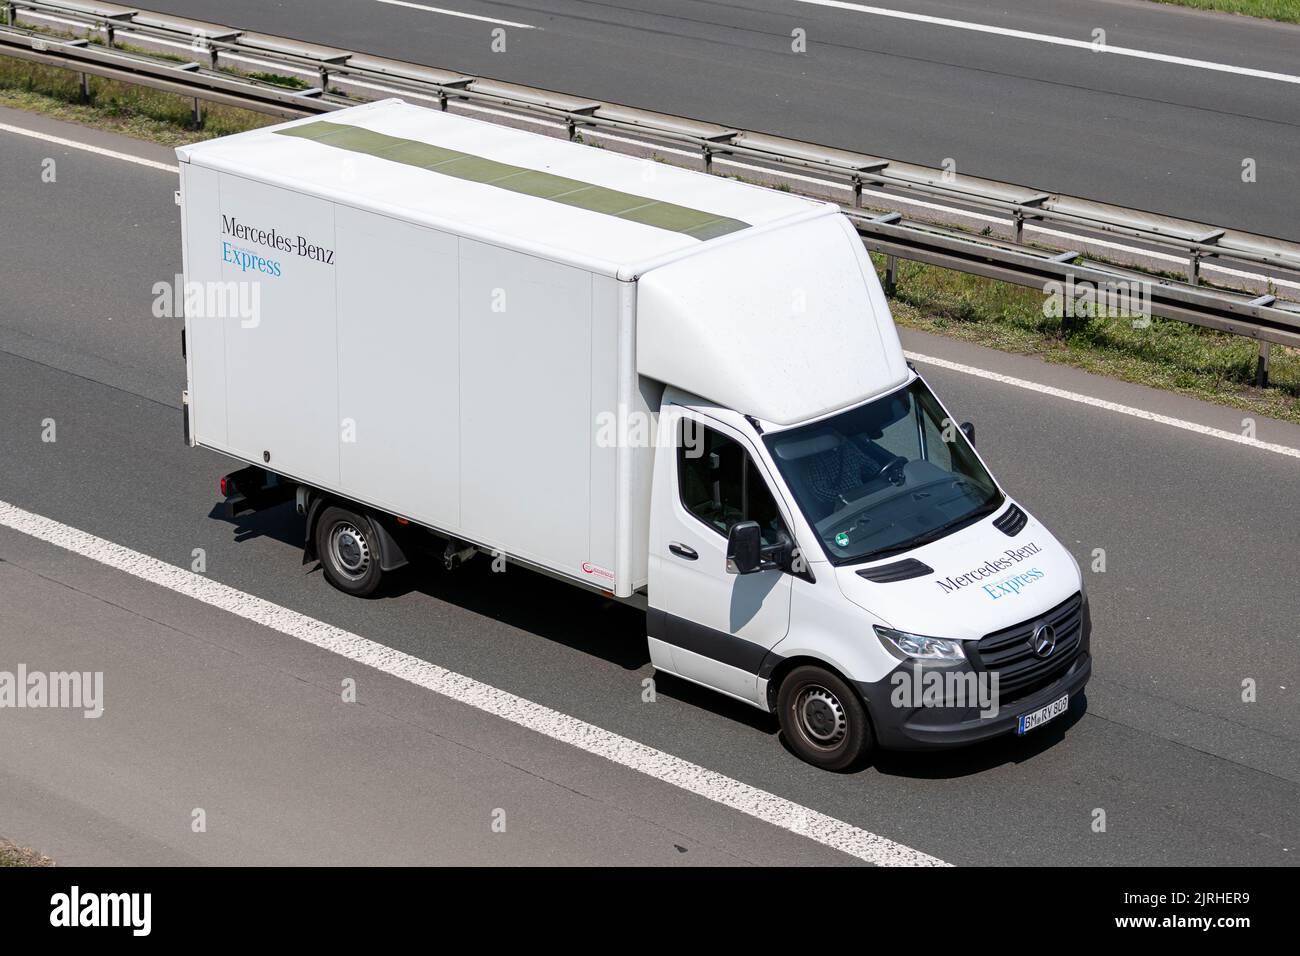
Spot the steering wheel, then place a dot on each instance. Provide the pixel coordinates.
(892, 470)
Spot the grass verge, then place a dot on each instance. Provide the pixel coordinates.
(11, 854)
(1202, 363)
(164, 118)
(1287, 11)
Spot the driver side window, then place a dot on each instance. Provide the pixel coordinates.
(720, 484)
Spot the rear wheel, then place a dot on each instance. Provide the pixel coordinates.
(348, 551)
(823, 719)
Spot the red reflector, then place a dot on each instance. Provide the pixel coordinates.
(224, 493)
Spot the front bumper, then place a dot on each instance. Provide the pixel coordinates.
(935, 727)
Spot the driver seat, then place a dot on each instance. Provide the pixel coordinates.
(827, 474)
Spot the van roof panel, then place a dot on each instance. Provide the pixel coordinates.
(569, 202)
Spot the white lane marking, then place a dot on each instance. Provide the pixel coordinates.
(457, 13)
(687, 776)
(1058, 41)
(99, 150)
(1108, 406)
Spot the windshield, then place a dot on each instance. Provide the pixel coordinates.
(884, 477)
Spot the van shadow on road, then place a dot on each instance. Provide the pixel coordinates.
(614, 632)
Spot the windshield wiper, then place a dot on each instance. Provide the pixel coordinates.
(936, 533)
(943, 529)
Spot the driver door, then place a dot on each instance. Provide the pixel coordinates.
(705, 624)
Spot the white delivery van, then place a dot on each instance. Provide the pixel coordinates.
(679, 390)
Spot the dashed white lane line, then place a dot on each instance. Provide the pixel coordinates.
(456, 13)
(86, 147)
(623, 751)
(1107, 405)
(1056, 40)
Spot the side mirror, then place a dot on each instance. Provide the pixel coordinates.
(968, 429)
(743, 548)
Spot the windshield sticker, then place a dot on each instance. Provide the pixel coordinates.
(991, 568)
(842, 540)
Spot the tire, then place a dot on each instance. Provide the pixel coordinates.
(348, 550)
(823, 719)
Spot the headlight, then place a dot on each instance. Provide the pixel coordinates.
(918, 647)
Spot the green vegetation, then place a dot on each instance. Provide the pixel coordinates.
(279, 79)
(1212, 366)
(1286, 10)
(164, 118)
(11, 854)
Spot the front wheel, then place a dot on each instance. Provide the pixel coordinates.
(823, 719)
(348, 551)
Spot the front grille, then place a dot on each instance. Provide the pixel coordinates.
(1012, 522)
(1010, 651)
(898, 571)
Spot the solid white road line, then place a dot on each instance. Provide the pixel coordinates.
(1058, 41)
(664, 767)
(86, 147)
(1108, 406)
(457, 13)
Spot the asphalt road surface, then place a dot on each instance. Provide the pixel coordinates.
(206, 710)
(1136, 130)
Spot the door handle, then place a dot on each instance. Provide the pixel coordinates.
(682, 551)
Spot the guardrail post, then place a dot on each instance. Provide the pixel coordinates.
(85, 87)
(708, 146)
(1194, 268)
(444, 97)
(11, 14)
(198, 113)
(857, 179)
(1018, 217)
(891, 275)
(1261, 369)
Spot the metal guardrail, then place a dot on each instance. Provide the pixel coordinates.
(141, 47)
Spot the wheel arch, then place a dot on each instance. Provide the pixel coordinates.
(391, 555)
(786, 665)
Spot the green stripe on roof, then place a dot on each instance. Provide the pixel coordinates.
(530, 182)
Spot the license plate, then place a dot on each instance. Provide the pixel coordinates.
(1042, 715)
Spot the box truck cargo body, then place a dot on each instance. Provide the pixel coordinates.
(683, 391)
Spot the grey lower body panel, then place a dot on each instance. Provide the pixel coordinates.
(937, 727)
